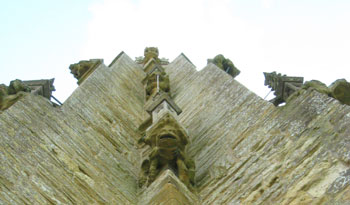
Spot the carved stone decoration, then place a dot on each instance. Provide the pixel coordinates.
(284, 86)
(167, 140)
(149, 53)
(341, 91)
(318, 86)
(9, 95)
(157, 82)
(42, 87)
(225, 64)
(84, 68)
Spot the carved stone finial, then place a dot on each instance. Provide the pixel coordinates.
(225, 64)
(167, 140)
(84, 68)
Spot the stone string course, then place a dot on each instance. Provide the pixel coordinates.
(246, 150)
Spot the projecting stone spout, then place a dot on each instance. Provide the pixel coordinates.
(167, 139)
(84, 68)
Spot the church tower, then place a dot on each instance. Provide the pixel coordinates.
(150, 131)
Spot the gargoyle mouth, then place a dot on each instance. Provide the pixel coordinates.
(167, 137)
(167, 141)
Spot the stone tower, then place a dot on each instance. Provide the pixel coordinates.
(153, 132)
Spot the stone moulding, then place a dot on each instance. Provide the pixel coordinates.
(116, 58)
(41, 87)
(284, 86)
(151, 105)
(150, 65)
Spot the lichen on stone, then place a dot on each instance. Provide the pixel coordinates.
(225, 64)
(12, 93)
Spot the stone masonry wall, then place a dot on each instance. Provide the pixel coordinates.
(81, 153)
(246, 150)
(249, 152)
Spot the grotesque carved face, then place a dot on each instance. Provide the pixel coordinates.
(167, 138)
(80, 68)
(16, 86)
(151, 52)
(74, 69)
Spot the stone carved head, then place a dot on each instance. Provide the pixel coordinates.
(79, 69)
(17, 86)
(150, 52)
(167, 134)
(167, 140)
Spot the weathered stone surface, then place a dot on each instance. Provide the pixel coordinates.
(81, 153)
(167, 189)
(246, 150)
(341, 91)
(12, 93)
(318, 86)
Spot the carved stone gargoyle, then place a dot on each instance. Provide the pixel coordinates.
(9, 95)
(84, 68)
(167, 140)
(149, 53)
(157, 82)
(225, 64)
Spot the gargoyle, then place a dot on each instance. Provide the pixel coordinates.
(151, 52)
(225, 64)
(9, 95)
(167, 140)
(152, 81)
(84, 68)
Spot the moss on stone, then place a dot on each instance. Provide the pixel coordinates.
(225, 64)
(340, 90)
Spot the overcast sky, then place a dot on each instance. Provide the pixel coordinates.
(39, 39)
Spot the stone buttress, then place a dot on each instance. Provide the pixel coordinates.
(166, 169)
